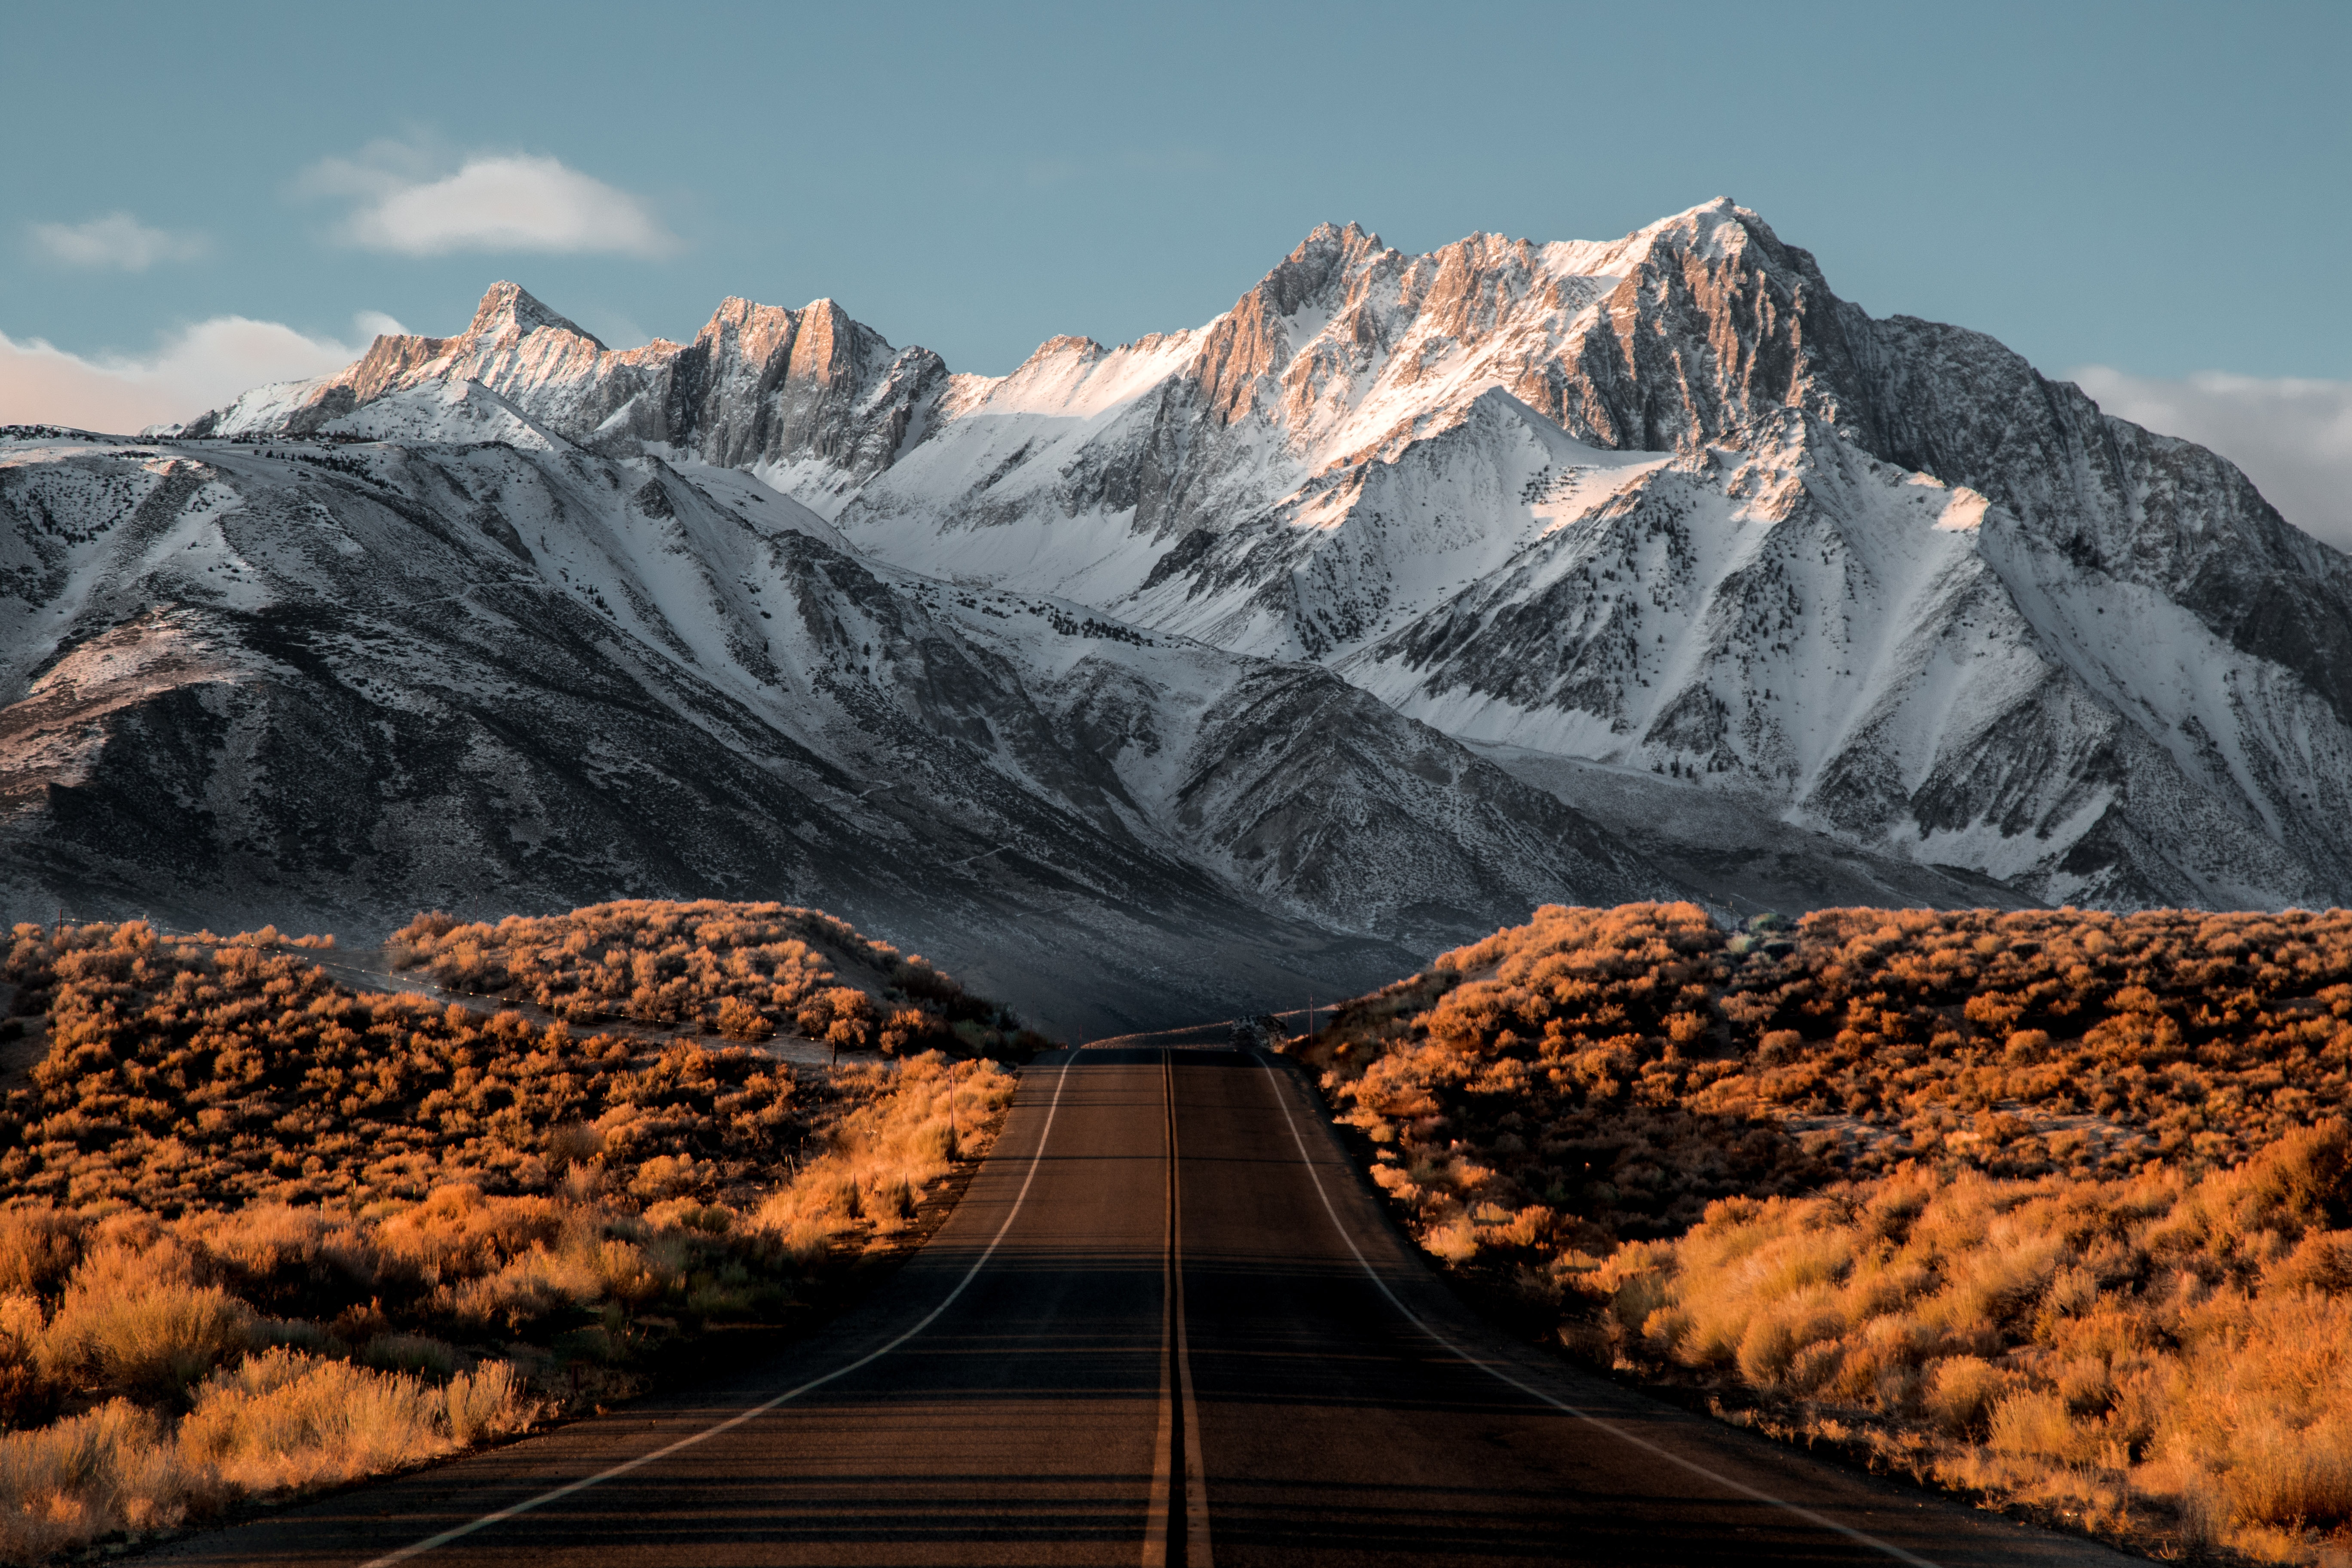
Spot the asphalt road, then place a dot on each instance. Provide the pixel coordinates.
(1168, 1324)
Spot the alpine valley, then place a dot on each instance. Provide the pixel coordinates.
(1226, 666)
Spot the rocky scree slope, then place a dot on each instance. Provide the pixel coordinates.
(437, 654)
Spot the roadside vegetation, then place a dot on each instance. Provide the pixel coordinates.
(743, 970)
(260, 1233)
(2054, 1208)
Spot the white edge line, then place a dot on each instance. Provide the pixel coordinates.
(432, 1543)
(1807, 1515)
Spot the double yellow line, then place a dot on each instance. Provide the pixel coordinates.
(1170, 1538)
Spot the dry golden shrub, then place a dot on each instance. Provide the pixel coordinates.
(742, 969)
(110, 1469)
(2042, 1328)
(890, 1148)
(139, 1330)
(2055, 1205)
(262, 1233)
(282, 1420)
(196, 1076)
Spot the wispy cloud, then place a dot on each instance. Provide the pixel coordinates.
(118, 241)
(195, 368)
(405, 204)
(2292, 438)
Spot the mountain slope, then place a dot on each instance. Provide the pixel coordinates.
(1663, 505)
(1516, 491)
(337, 681)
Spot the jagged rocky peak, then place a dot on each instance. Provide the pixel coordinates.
(1676, 335)
(812, 390)
(1328, 255)
(813, 394)
(748, 329)
(508, 312)
(1085, 350)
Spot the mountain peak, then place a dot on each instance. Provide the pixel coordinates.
(1710, 225)
(509, 307)
(1347, 236)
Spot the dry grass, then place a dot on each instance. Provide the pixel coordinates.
(185, 1075)
(2053, 1206)
(743, 970)
(108, 1470)
(280, 1421)
(262, 1234)
(885, 1151)
(2150, 1353)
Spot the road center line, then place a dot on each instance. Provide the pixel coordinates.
(1274, 1081)
(1177, 1449)
(1166, 1450)
(431, 1542)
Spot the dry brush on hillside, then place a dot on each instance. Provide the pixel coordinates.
(259, 1231)
(744, 971)
(2052, 1206)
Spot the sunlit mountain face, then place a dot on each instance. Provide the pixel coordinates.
(1281, 651)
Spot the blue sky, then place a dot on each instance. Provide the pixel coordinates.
(2153, 189)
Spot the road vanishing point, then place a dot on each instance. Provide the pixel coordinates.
(1168, 1324)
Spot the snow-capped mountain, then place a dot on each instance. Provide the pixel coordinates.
(1270, 622)
(465, 663)
(1669, 504)
(809, 398)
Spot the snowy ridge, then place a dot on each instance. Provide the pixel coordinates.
(1662, 505)
(338, 679)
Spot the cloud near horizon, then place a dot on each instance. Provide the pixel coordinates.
(196, 368)
(117, 240)
(2291, 437)
(494, 202)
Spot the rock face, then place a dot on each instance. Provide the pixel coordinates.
(1301, 639)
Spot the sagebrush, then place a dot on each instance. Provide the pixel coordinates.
(262, 1233)
(741, 969)
(2048, 1205)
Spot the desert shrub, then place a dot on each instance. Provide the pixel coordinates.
(2055, 1205)
(110, 1469)
(224, 1075)
(282, 1420)
(741, 969)
(271, 1234)
(39, 1245)
(2045, 1329)
(488, 1402)
(134, 1317)
(1599, 1075)
(888, 1149)
(739, 1020)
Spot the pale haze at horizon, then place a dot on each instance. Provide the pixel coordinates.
(2144, 198)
